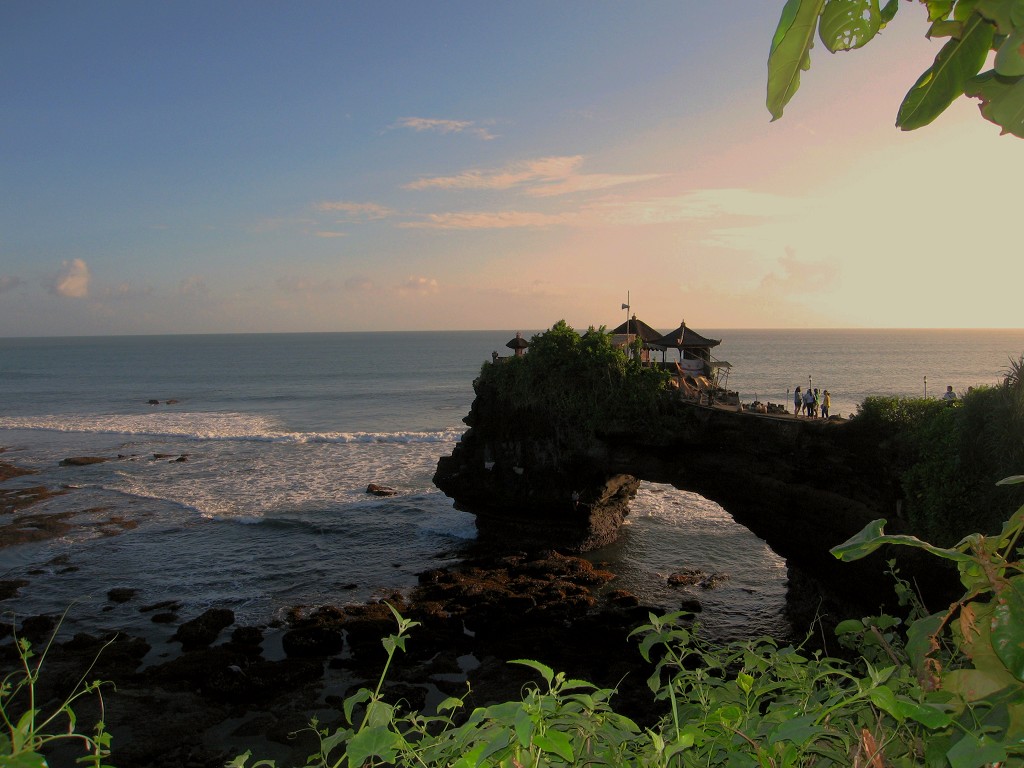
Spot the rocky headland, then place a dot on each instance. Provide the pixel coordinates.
(802, 485)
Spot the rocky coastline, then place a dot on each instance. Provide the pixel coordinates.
(198, 690)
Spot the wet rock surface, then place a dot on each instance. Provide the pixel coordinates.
(233, 688)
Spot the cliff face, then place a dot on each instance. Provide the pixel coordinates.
(802, 485)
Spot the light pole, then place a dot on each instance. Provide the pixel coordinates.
(926, 386)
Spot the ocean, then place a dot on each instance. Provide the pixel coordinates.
(280, 434)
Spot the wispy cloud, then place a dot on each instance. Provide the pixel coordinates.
(541, 177)
(589, 182)
(72, 280)
(495, 220)
(423, 286)
(701, 204)
(354, 211)
(801, 276)
(434, 125)
(329, 234)
(513, 175)
(296, 284)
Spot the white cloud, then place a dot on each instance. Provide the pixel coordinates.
(329, 234)
(9, 283)
(512, 175)
(354, 211)
(433, 125)
(541, 177)
(72, 280)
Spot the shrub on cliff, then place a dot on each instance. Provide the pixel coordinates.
(576, 385)
(948, 458)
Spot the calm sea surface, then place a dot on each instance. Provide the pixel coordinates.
(283, 433)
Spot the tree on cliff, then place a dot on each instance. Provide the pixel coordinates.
(974, 28)
(575, 385)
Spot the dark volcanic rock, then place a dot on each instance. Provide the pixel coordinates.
(528, 488)
(307, 642)
(121, 594)
(82, 461)
(204, 629)
(381, 490)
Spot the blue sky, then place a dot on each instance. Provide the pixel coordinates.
(232, 167)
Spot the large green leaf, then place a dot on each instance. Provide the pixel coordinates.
(556, 743)
(1009, 59)
(874, 536)
(372, 742)
(999, 12)
(921, 643)
(1002, 100)
(791, 51)
(959, 60)
(1008, 628)
(976, 751)
(849, 24)
(938, 9)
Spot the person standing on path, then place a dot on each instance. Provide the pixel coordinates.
(826, 403)
(798, 402)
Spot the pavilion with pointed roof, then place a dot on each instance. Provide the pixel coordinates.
(518, 344)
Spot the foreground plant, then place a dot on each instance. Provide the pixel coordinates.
(940, 689)
(30, 729)
(974, 30)
(566, 722)
(969, 658)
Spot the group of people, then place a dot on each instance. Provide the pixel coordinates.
(811, 402)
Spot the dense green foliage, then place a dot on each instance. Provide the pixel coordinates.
(577, 385)
(974, 28)
(949, 457)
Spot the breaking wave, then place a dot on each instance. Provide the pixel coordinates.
(212, 426)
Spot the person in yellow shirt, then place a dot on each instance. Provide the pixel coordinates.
(826, 403)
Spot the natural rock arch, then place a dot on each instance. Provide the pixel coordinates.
(802, 485)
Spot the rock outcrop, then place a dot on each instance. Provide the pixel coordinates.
(802, 485)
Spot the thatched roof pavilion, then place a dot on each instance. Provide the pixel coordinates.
(519, 344)
(688, 340)
(634, 327)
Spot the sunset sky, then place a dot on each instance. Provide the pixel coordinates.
(195, 167)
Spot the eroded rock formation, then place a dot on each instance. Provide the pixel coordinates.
(802, 485)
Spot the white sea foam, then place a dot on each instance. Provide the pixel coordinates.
(211, 426)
